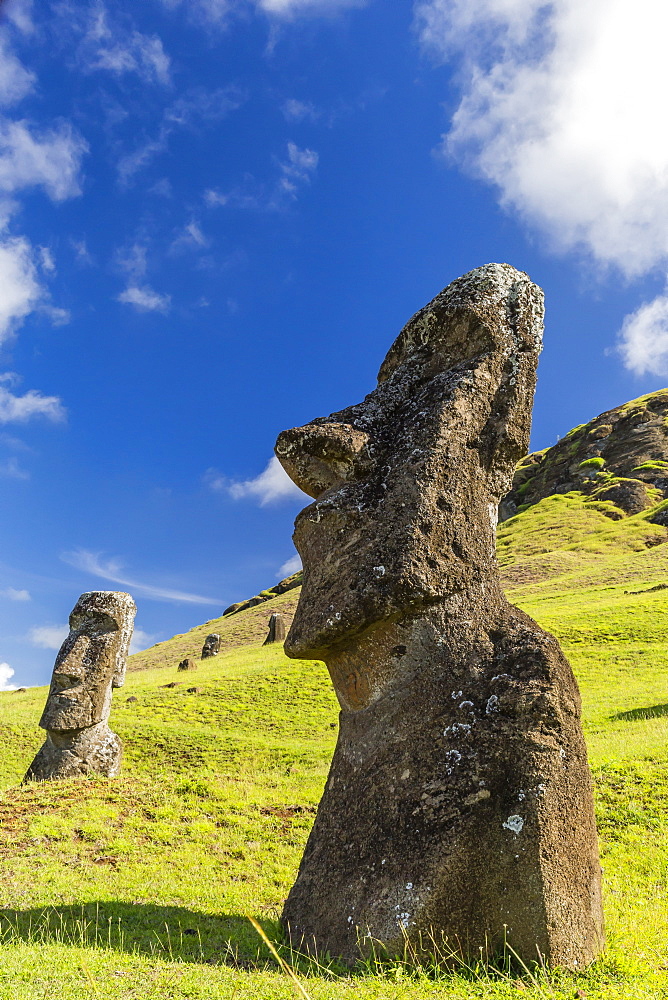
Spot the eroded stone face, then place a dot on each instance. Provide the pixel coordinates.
(90, 663)
(459, 801)
(407, 483)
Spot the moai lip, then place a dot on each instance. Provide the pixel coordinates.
(459, 801)
(90, 664)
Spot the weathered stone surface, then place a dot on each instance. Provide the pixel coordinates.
(459, 801)
(211, 646)
(276, 629)
(90, 663)
(188, 664)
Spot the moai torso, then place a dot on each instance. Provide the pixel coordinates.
(459, 801)
(90, 664)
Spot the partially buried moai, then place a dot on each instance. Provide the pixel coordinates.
(459, 801)
(211, 646)
(276, 629)
(91, 662)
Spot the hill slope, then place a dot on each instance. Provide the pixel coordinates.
(138, 887)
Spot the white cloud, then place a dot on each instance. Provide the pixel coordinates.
(142, 640)
(288, 568)
(48, 636)
(133, 162)
(108, 46)
(299, 111)
(297, 169)
(46, 259)
(20, 290)
(190, 237)
(271, 485)
(10, 469)
(91, 562)
(19, 409)
(289, 8)
(215, 199)
(51, 160)
(562, 110)
(644, 338)
(6, 674)
(15, 595)
(145, 299)
(15, 80)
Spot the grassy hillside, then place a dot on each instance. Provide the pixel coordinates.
(138, 887)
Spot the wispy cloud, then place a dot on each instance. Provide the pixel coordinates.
(270, 486)
(11, 469)
(6, 674)
(293, 8)
(108, 45)
(289, 567)
(298, 169)
(50, 159)
(15, 80)
(560, 109)
(15, 595)
(190, 237)
(145, 299)
(644, 338)
(19, 409)
(299, 111)
(113, 570)
(48, 636)
(142, 640)
(197, 107)
(20, 290)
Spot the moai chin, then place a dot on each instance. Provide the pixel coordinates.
(459, 801)
(91, 662)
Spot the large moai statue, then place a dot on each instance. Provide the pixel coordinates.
(91, 662)
(459, 800)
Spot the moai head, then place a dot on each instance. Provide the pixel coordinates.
(407, 483)
(91, 661)
(211, 645)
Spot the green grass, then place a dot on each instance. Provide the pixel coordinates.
(139, 887)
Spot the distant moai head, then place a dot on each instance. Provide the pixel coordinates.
(91, 661)
(211, 646)
(407, 483)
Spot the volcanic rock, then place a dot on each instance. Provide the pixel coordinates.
(459, 801)
(188, 664)
(619, 456)
(90, 663)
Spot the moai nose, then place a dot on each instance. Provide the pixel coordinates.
(318, 457)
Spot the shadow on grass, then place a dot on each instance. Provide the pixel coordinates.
(638, 714)
(168, 932)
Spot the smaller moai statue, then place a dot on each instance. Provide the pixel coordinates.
(211, 646)
(276, 629)
(188, 664)
(90, 663)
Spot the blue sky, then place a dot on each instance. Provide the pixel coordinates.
(215, 217)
